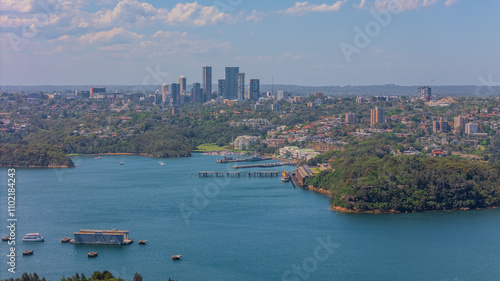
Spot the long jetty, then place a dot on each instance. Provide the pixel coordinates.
(267, 165)
(256, 174)
(246, 160)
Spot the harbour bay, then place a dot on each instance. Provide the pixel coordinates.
(232, 228)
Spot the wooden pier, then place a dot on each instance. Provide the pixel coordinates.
(256, 174)
(267, 165)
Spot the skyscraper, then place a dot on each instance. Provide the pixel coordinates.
(207, 83)
(231, 83)
(164, 93)
(175, 92)
(377, 115)
(221, 88)
(254, 89)
(240, 90)
(197, 93)
(182, 84)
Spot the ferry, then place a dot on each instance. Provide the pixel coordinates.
(285, 176)
(32, 237)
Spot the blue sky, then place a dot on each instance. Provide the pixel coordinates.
(339, 42)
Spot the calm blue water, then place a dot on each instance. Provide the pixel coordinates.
(232, 229)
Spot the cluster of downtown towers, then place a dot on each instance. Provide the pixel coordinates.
(231, 88)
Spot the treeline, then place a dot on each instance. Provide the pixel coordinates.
(33, 154)
(368, 177)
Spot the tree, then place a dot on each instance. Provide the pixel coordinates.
(137, 277)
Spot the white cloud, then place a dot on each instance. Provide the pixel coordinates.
(255, 16)
(404, 5)
(169, 34)
(303, 7)
(361, 5)
(110, 37)
(450, 2)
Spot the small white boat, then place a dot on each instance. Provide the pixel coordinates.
(32, 237)
(163, 163)
(122, 163)
(98, 157)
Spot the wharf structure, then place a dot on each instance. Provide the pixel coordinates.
(257, 174)
(104, 237)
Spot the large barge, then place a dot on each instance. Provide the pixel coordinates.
(103, 237)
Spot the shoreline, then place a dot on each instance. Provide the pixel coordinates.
(379, 212)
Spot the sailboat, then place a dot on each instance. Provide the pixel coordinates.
(285, 176)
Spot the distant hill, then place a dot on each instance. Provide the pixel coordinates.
(374, 90)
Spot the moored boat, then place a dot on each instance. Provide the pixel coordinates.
(285, 176)
(32, 237)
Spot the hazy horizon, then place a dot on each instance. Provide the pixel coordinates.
(318, 42)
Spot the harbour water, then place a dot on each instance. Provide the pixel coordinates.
(231, 228)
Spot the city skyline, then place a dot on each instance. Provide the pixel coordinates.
(314, 43)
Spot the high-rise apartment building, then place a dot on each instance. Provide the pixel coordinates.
(164, 93)
(440, 126)
(175, 93)
(350, 118)
(221, 88)
(471, 128)
(182, 84)
(197, 93)
(231, 84)
(254, 89)
(377, 115)
(424, 93)
(459, 123)
(207, 83)
(240, 90)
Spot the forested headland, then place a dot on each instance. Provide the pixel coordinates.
(369, 177)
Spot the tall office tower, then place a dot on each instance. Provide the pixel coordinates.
(471, 128)
(176, 93)
(207, 83)
(424, 93)
(197, 93)
(377, 115)
(222, 88)
(164, 93)
(459, 124)
(231, 84)
(359, 100)
(254, 89)
(182, 84)
(350, 118)
(240, 90)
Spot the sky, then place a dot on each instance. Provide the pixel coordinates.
(310, 43)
